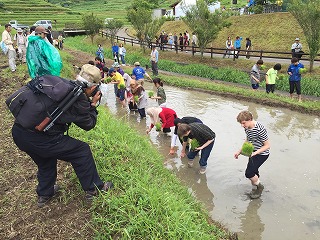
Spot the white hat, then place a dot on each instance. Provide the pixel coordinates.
(297, 39)
(19, 30)
(90, 73)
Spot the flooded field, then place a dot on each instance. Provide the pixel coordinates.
(290, 204)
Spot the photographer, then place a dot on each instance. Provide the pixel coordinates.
(46, 147)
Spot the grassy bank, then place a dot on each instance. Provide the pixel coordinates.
(148, 201)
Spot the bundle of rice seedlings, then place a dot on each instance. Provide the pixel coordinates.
(108, 79)
(263, 67)
(122, 86)
(302, 70)
(194, 144)
(151, 94)
(136, 98)
(158, 127)
(247, 149)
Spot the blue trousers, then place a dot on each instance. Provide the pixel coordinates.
(45, 150)
(205, 153)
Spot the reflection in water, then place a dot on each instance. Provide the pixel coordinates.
(251, 225)
(196, 182)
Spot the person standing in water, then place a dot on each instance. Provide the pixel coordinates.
(258, 136)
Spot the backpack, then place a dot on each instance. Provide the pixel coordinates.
(32, 103)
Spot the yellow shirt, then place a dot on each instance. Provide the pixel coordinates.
(118, 78)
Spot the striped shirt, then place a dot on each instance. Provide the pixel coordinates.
(257, 136)
(200, 132)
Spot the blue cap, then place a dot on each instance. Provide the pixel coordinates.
(111, 70)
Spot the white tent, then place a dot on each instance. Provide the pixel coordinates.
(181, 7)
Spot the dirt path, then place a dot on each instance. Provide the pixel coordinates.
(66, 217)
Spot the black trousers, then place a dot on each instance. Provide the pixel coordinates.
(45, 150)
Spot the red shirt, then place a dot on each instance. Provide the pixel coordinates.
(167, 117)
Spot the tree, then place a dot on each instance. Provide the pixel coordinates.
(92, 25)
(112, 27)
(307, 13)
(204, 24)
(140, 16)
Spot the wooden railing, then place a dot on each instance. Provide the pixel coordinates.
(211, 51)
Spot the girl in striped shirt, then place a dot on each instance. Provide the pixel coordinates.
(258, 136)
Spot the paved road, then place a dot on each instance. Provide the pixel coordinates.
(123, 33)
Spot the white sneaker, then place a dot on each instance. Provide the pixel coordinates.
(202, 170)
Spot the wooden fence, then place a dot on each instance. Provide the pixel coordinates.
(211, 51)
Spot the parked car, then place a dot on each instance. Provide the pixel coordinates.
(16, 25)
(43, 23)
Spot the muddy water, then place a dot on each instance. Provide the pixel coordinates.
(290, 205)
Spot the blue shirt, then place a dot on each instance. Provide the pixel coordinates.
(237, 43)
(115, 49)
(138, 72)
(294, 69)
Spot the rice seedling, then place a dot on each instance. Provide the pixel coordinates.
(263, 67)
(158, 126)
(122, 86)
(302, 70)
(247, 149)
(194, 144)
(151, 94)
(136, 98)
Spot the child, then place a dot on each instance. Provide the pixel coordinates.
(118, 80)
(258, 136)
(255, 74)
(161, 95)
(204, 135)
(177, 122)
(100, 53)
(99, 65)
(271, 77)
(165, 115)
(138, 90)
(295, 77)
(122, 53)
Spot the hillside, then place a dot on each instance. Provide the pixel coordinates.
(270, 31)
(30, 11)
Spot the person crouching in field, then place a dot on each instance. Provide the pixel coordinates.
(205, 137)
(258, 136)
(271, 77)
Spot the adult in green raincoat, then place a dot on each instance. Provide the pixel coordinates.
(42, 57)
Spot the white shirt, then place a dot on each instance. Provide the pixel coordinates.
(6, 38)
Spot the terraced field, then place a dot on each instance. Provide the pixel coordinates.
(29, 11)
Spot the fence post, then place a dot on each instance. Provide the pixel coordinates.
(117, 38)
(192, 50)
(124, 40)
(211, 53)
(234, 54)
(261, 52)
(132, 42)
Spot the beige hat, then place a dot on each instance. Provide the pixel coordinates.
(137, 64)
(40, 29)
(19, 30)
(90, 73)
(297, 39)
